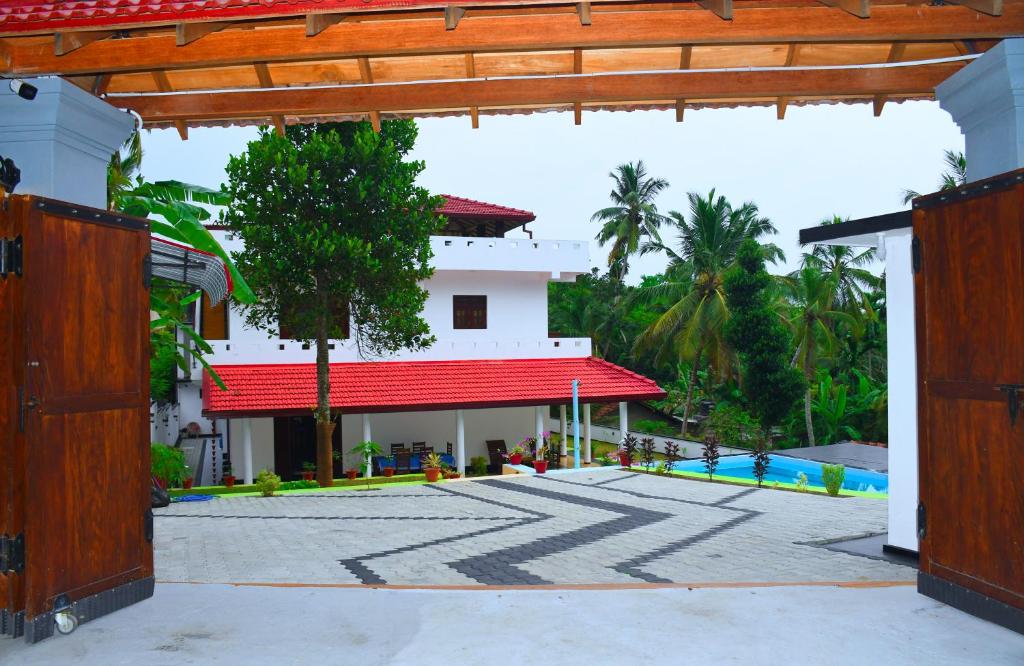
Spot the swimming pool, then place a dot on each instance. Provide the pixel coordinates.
(787, 470)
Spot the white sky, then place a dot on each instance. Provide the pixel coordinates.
(820, 161)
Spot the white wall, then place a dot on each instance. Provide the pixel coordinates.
(262, 446)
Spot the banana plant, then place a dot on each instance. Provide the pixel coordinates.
(832, 410)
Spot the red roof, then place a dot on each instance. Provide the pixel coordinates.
(51, 15)
(460, 207)
(402, 386)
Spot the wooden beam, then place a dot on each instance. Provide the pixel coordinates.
(680, 108)
(366, 76)
(452, 16)
(782, 102)
(990, 7)
(583, 11)
(577, 113)
(474, 112)
(266, 81)
(163, 84)
(317, 23)
(577, 68)
(66, 42)
(524, 91)
(100, 84)
(896, 52)
(721, 8)
(278, 124)
(859, 8)
(375, 121)
(350, 39)
(186, 33)
(685, 56)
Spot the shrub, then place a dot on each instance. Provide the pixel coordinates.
(710, 454)
(298, 485)
(671, 455)
(734, 426)
(801, 483)
(606, 461)
(479, 465)
(629, 444)
(761, 462)
(654, 427)
(267, 482)
(167, 463)
(660, 469)
(833, 476)
(647, 452)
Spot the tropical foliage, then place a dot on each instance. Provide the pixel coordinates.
(632, 217)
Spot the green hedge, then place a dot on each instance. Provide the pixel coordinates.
(239, 488)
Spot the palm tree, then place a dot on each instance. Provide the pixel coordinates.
(812, 293)
(844, 264)
(692, 327)
(952, 179)
(632, 216)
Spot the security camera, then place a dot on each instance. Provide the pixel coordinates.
(23, 90)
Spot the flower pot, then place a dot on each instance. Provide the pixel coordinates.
(624, 460)
(389, 471)
(351, 474)
(308, 476)
(433, 473)
(515, 459)
(229, 481)
(187, 483)
(540, 466)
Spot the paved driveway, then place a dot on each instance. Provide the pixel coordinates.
(600, 527)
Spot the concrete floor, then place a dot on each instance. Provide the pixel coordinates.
(214, 624)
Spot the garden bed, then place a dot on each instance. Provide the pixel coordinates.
(339, 484)
(774, 485)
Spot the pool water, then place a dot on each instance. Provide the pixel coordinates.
(787, 470)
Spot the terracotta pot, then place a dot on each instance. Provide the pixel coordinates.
(433, 473)
(389, 471)
(351, 474)
(515, 459)
(624, 460)
(540, 466)
(187, 483)
(229, 481)
(308, 476)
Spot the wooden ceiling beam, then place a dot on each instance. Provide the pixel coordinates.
(583, 11)
(896, 52)
(577, 68)
(524, 91)
(317, 23)
(520, 34)
(186, 33)
(474, 111)
(163, 84)
(685, 56)
(859, 8)
(721, 8)
(267, 81)
(452, 16)
(100, 84)
(366, 76)
(67, 42)
(783, 102)
(990, 7)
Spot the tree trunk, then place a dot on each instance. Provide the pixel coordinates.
(807, 417)
(324, 424)
(689, 390)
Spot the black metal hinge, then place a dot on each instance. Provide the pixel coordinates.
(147, 525)
(10, 256)
(12, 553)
(147, 271)
(922, 520)
(915, 254)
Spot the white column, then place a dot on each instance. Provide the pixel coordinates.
(586, 432)
(62, 140)
(624, 419)
(986, 99)
(902, 379)
(367, 437)
(539, 418)
(563, 428)
(247, 451)
(460, 441)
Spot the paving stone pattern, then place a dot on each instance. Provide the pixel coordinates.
(608, 527)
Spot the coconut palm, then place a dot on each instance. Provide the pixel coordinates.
(632, 216)
(813, 295)
(845, 264)
(956, 176)
(691, 329)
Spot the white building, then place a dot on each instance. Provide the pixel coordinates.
(492, 373)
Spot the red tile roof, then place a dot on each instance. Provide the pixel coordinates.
(401, 386)
(51, 15)
(460, 207)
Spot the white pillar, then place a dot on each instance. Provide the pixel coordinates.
(367, 437)
(539, 419)
(563, 428)
(624, 419)
(586, 433)
(62, 140)
(247, 451)
(902, 379)
(460, 441)
(986, 99)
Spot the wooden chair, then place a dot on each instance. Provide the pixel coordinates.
(402, 461)
(496, 451)
(419, 447)
(396, 448)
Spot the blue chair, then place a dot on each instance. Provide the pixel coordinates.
(415, 464)
(448, 459)
(380, 462)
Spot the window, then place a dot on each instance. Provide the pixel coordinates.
(339, 330)
(469, 312)
(213, 319)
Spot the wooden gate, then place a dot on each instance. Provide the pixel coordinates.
(74, 425)
(969, 289)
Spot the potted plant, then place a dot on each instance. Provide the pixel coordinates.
(226, 477)
(308, 471)
(351, 474)
(389, 467)
(432, 466)
(167, 465)
(366, 450)
(515, 456)
(627, 449)
(540, 463)
(186, 482)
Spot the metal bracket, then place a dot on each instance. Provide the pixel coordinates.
(12, 553)
(915, 254)
(922, 520)
(147, 271)
(11, 256)
(1012, 392)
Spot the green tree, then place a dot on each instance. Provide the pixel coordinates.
(845, 265)
(954, 177)
(691, 328)
(632, 216)
(333, 221)
(761, 340)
